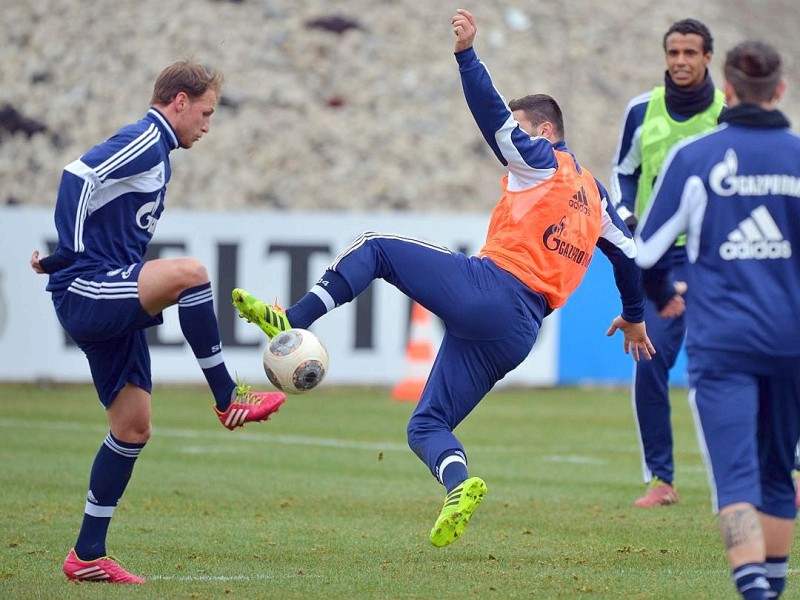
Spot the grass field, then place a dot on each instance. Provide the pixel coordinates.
(326, 501)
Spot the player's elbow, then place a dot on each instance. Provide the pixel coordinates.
(644, 260)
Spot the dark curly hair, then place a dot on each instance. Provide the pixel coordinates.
(687, 26)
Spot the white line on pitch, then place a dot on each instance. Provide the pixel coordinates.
(296, 440)
(575, 460)
(256, 577)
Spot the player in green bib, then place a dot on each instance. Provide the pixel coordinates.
(686, 105)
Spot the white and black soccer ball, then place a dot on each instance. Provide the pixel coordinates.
(295, 361)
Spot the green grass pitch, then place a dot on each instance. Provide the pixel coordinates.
(326, 501)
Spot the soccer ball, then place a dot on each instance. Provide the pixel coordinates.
(295, 361)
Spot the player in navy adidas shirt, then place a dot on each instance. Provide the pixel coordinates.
(106, 294)
(735, 192)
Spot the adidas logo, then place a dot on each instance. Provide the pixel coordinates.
(757, 237)
(274, 319)
(580, 203)
(236, 417)
(454, 497)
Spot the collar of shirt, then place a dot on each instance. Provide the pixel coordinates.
(160, 120)
(750, 115)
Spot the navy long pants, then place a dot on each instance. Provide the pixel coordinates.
(491, 322)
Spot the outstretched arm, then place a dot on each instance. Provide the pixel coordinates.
(465, 29)
(616, 243)
(530, 160)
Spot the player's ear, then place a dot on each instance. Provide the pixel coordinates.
(731, 99)
(780, 90)
(181, 101)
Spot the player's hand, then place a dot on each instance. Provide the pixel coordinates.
(636, 341)
(35, 263)
(465, 29)
(674, 308)
(676, 305)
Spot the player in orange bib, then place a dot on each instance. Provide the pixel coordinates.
(541, 238)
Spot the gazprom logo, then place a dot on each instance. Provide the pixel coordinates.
(553, 241)
(145, 216)
(724, 181)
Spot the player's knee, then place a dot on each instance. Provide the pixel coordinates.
(192, 273)
(135, 432)
(143, 434)
(415, 435)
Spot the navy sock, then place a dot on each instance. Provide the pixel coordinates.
(305, 311)
(330, 291)
(201, 330)
(111, 472)
(777, 567)
(751, 581)
(452, 470)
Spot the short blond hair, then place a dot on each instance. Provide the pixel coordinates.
(186, 76)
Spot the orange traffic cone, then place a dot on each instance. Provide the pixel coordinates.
(419, 356)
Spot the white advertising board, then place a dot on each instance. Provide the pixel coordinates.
(271, 254)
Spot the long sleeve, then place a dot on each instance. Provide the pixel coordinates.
(617, 244)
(627, 163)
(529, 160)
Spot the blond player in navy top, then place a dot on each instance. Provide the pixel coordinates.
(735, 193)
(106, 293)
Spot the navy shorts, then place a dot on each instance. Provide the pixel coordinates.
(102, 313)
(747, 409)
